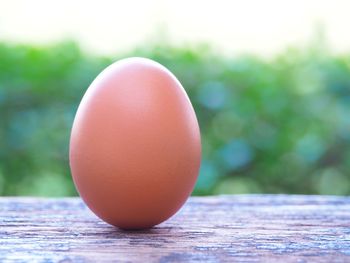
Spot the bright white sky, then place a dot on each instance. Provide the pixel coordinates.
(105, 27)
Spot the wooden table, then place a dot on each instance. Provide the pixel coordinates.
(242, 228)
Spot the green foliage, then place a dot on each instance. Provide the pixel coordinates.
(268, 126)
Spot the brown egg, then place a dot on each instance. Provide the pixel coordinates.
(135, 145)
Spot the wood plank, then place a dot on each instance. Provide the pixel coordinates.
(243, 228)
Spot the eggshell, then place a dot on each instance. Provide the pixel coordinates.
(135, 145)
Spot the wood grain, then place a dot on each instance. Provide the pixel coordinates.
(246, 228)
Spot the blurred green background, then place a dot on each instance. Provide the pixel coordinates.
(276, 125)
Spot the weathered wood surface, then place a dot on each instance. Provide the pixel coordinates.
(252, 228)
